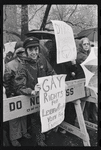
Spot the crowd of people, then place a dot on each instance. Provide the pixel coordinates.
(21, 70)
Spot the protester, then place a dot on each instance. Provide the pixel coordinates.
(18, 126)
(83, 50)
(19, 49)
(72, 71)
(90, 112)
(34, 65)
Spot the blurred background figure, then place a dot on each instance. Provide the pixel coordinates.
(90, 111)
(18, 126)
(73, 71)
(19, 49)
(83, 50)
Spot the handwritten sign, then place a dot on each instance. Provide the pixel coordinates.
(66, 47)
(52, 101)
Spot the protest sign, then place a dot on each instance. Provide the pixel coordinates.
(52, 101)
(9, 47)
(90, 67)
(19, 106)
(65, 43)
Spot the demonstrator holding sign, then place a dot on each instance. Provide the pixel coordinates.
(34, 65)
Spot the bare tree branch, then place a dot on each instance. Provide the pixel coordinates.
(82, 23)
(73, 24)
(59, 12)
(35, 13)
(45, 17)
(12, 32)
(72, 12)
(67, 13)
(66, 21)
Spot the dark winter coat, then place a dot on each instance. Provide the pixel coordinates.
(82, 54)
(9, 76)
(81, 57)
(21, 74)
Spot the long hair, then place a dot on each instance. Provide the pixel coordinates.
(81, 47)
(82, 40)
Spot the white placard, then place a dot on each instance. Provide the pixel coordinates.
(66, 47)
(90, 67)
(52, 101)
(9, 47)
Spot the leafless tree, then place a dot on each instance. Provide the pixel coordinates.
(78, 16)
(45, 17)
(24, 21)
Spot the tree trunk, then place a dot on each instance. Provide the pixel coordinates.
(24, 21)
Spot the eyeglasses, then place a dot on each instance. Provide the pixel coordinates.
(86, 44)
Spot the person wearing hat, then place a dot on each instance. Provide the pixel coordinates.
(18, 126)
(19, 49)
(34, 65)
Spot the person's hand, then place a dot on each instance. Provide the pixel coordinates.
(33, 92)
(73, 74)
(37, 87)
(73, 62)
